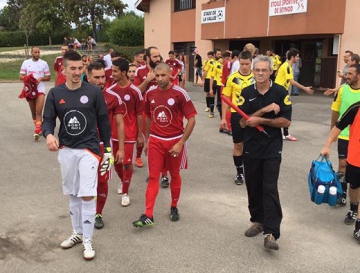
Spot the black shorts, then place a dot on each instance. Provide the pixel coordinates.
(216, 89)
(342, 148)
(352, 176)
(237, 131)
(207, 85)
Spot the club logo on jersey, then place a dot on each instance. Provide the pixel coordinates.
(84, 99)
(127, 97)
(162, 116)
(240, 100)
(74, 122)
(287, 100)
(171, 101)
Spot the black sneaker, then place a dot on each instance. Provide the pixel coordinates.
(239, 179)
(174, 214)
(144, 221)
(224, 131)
(270, 242)
(357, 235)
(99, 223)
(164, 182)
(230, 133)
(350, 217)
(342, 199)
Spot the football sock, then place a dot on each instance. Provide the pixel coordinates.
(88, 218)
(75, 214)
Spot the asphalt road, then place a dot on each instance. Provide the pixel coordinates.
(210, 234)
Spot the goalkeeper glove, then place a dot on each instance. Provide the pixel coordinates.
(107, 160)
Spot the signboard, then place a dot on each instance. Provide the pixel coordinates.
(285, 7)
(213, 15)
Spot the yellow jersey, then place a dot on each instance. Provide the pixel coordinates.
(208, 67)
(284, 75)
(276, 62)
(235, 83)
(216, 72)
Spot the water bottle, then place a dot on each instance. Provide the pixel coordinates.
(332, 196)
(319, 194)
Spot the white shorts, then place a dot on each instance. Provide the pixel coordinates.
(79, 171)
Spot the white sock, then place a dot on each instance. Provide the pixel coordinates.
(75, 214)
(88, 217)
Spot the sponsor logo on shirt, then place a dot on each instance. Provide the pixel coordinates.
(74, 122)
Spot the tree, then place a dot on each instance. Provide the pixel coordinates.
(93, 11)
(128, 30)
(48, 16)
(27, 23)
(12, 13)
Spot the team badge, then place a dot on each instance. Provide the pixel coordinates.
(171, 101)
(240, 101)
(287, 100)
(84, 99)
(127, 97)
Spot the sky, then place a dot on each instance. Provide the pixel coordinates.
(129, 2)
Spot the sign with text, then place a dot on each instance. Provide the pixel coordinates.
(285, 7)
(213, 15)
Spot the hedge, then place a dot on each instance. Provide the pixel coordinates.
(18, 38)
(126, 51)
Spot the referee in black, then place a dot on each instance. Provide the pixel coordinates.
(268, 105)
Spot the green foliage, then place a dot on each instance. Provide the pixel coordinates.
(90, 11)
(128, 30)
(18, 38)
(126, 51)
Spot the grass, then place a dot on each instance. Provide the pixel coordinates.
(10, 70)
(3, 49)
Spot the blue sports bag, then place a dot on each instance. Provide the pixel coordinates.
(322, 173)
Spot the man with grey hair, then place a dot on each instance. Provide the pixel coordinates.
(268, 105)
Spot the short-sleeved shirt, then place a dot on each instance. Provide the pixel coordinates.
(167, 110)
(235, 83)
(134, 106)
(199, 60)
(38, 68)
(351, 118)
(284, 75)
(276, 61)
(208, 67)
(225, 71)
(81, 112)
(140, 76)
(175, 67)
(216, 72)
(114, 105)
(345, 71)
(256, 144)
(61, 78)
(345, 97)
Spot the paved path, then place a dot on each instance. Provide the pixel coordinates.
(210, 234)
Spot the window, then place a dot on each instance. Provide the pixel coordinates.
(180, 5)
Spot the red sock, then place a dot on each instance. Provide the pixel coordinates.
(127, 179)
(102, 193)
(119, 171)
(164, 171)
(175, 187)
(152, 191)
(138, 151)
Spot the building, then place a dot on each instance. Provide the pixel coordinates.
(321, 30)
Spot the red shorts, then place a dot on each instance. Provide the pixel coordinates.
(107, 176)
(37, 95)
(159, 156)
(129, 151)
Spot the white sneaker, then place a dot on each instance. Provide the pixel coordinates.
(119, 190)
(125, 200)
(207, 109)
(72, 240)
(289, 138)
(89, 252)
